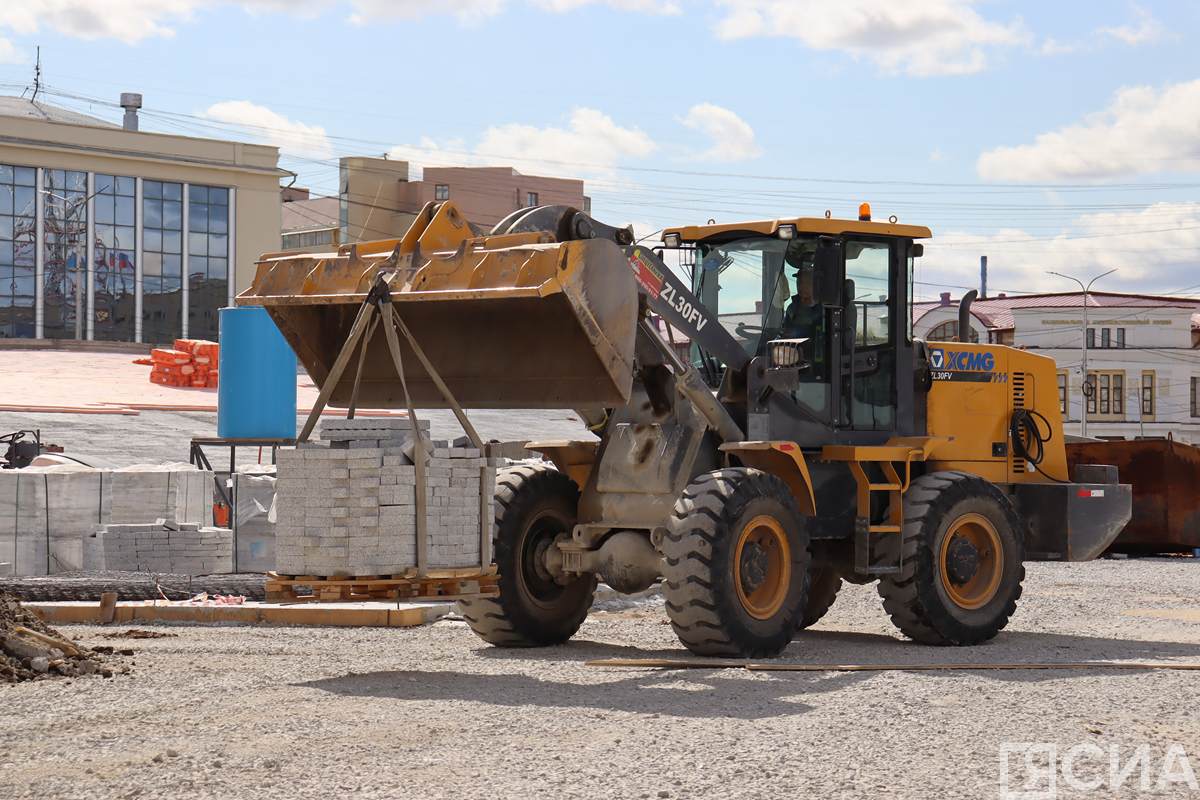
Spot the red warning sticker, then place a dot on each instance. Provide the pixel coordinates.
(645, 272)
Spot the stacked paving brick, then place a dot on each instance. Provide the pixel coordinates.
(178, 549)
(191, 362)
(348, 505)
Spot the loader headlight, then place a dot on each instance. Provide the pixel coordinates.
(671, 240)
(787, 231)
(786, 352)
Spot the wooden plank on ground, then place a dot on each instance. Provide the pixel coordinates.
(355, 614)
(728, 663)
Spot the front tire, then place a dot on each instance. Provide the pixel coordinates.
(963, 557)
(535, 505)
(736, 564)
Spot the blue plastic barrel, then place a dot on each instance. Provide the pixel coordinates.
(256, 396)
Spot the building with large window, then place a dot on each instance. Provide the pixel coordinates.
(112, 234)
(1143, 358)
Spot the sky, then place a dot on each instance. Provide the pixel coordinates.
(1061, 136)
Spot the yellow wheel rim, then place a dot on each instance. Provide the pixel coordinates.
(762, 567)
(979, 588)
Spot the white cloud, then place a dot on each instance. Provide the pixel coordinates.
(1144, 130)
(366, 11)
(732, 137)
(1153, 249)
(916, 37)
(9, 54)
(1144, 30)
(1054, 47)
(642, 6)
(1147, 30)
(592, 144)
(128, 21)
(260, 122)
(135, 20)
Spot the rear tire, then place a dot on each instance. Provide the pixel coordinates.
(736, 564)
(823, 586)
(534, 506)
(963, 555)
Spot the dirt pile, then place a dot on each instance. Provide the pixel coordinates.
(30, 649)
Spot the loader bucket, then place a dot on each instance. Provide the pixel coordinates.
(507, 322)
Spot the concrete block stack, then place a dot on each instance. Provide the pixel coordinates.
(350, 508)
(48, 515)
(175, 548)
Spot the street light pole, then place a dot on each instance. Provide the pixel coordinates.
(1083, 417)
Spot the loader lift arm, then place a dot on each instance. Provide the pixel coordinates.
(666, 295)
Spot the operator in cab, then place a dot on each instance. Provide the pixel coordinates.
(804, 316)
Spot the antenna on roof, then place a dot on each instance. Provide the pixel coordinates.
(37, 75)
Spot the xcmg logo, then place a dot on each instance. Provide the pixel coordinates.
(961, 360)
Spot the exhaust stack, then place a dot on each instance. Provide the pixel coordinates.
(131, 102)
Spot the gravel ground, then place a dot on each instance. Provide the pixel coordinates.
(153, 437)
(242, 712)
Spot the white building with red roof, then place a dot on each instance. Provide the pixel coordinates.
(1143, 354)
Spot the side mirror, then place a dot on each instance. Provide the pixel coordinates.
(827, 263)
(917, 250)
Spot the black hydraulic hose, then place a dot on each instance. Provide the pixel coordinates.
(1028, 440)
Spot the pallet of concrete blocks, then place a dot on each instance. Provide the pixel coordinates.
(347, 511)
(169, 548)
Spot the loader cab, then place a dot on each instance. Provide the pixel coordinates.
(823, 307)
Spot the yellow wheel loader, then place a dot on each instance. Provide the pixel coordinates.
(767, 426)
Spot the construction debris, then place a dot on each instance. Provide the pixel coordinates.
(30, 649)
(139, 633)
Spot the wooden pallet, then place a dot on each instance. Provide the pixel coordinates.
(447, 584)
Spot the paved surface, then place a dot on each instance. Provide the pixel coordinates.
(83, 378)
(153, 437)
(429, 713)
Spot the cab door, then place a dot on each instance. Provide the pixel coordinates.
(871, 331)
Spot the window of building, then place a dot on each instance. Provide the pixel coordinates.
(208, 258)
(1108, 394)
(441, 191)
(18, 231)
(1105, 337)
(1121, 338)
(162, 261)
(1062, 394)
(531, 199)
(114, 249)
(948, 332)
(308, 238)
(1147, 394)
(64, 263)
(1091, 337)
(1195, 390)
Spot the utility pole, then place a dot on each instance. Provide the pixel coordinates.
(1088, 389)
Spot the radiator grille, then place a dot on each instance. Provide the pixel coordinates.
(1019, 400)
